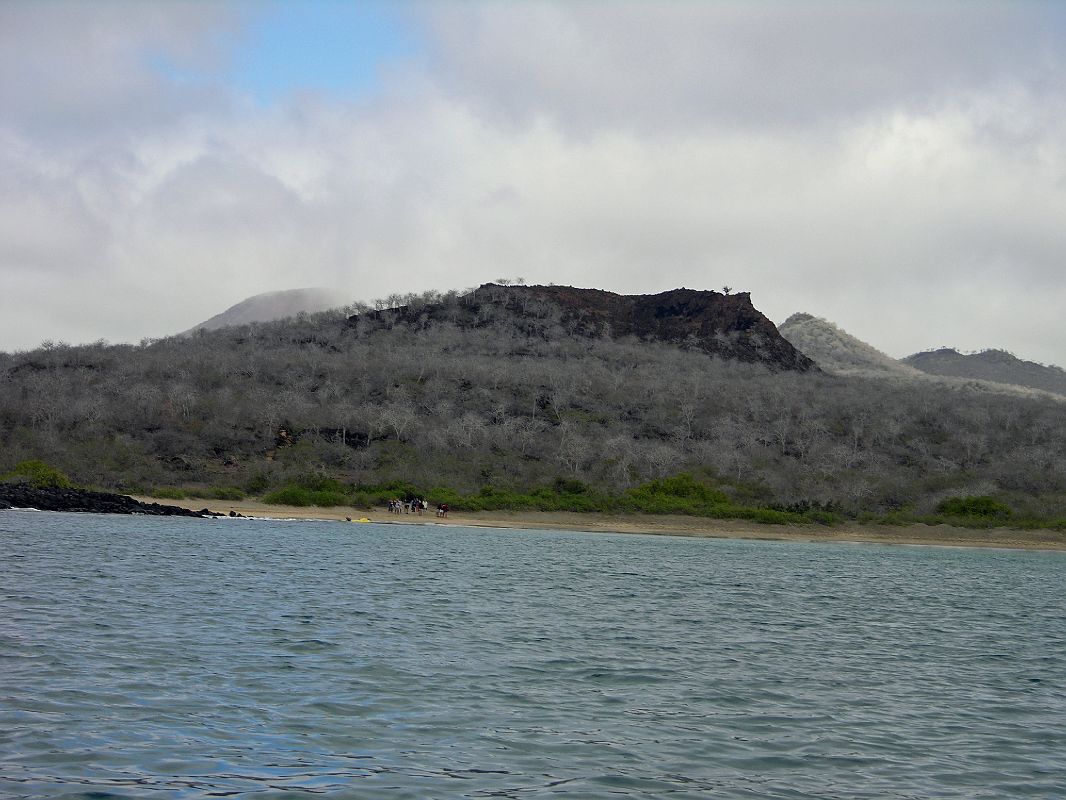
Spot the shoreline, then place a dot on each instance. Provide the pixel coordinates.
(655, 525)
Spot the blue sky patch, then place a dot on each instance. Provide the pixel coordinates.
(328, 46)
(322, 45)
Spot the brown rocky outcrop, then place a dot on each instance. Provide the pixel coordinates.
(725, 325)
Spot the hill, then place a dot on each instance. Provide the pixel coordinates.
(270, 306)
(727, 326)
(838, 352)
(525, 389)
(996, 366)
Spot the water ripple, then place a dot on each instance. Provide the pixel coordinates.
(267, 659)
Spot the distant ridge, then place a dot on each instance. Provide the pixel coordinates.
(997, 366)
(839, 353)
(270, 306)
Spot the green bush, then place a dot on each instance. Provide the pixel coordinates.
(375, 495)
(677, 495)
(982, 507)
(289, 496)
(401, 489)
(326, 497)
(570, 486)
(168, 493)
(821, 517)
(680, 494)
(257, 484)
(765, 515)
(39, 475)
(317, 482)
(218, 493)
(443, 494)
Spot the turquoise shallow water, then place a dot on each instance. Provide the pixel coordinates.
(236, 658)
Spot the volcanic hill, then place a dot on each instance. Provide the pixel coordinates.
(271, 306)
(723, 325)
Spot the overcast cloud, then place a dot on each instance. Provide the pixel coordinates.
(899, 169)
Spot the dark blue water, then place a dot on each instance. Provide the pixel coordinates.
(174, 659)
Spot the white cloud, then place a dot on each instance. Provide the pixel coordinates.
(899, 170)
(73, 70)
(649, 65)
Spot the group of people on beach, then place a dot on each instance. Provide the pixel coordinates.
(417, 505)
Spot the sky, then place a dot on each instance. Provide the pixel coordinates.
(897, 168)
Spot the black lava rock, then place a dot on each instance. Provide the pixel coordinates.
(18, 495)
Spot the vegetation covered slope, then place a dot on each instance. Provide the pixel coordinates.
(990, 365)
(467, 393)
(838, 352)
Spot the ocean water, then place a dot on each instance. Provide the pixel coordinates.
(165, 658)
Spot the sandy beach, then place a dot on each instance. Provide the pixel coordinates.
(933, 535)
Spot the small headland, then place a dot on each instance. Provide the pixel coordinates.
(56, 498)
